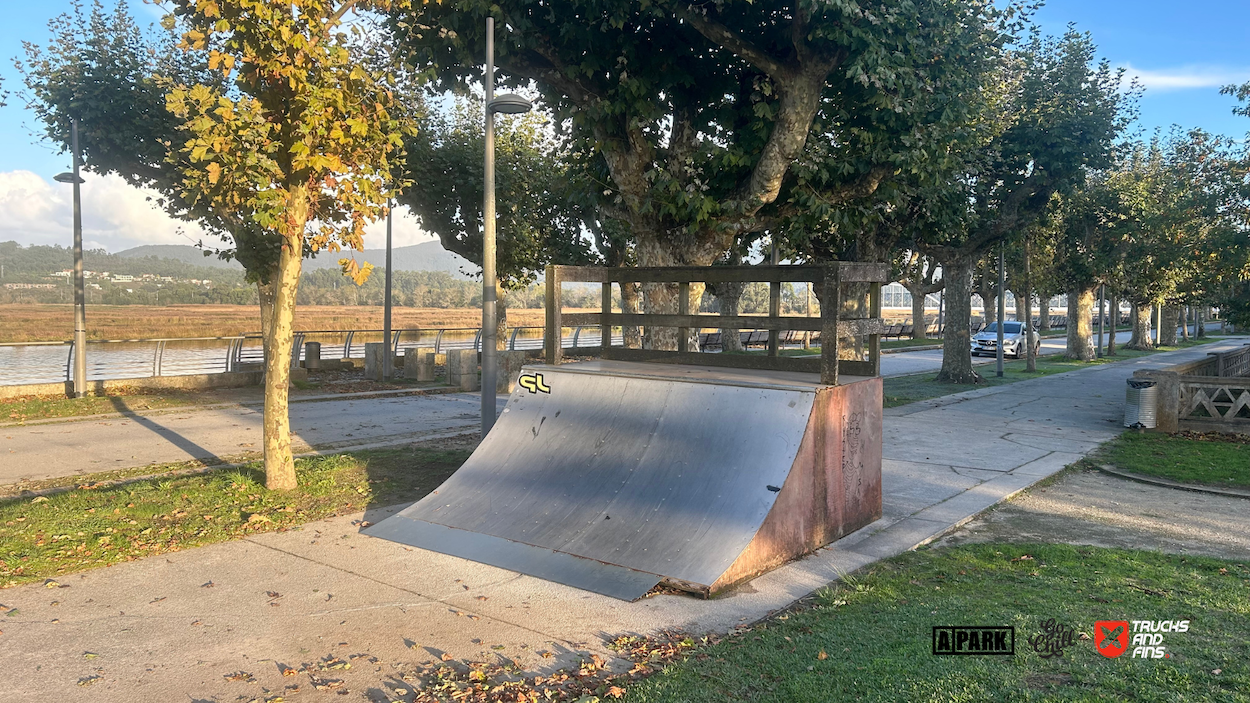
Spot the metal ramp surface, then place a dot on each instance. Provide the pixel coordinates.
(616, 476)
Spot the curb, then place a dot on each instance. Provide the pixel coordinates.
(1166, 483)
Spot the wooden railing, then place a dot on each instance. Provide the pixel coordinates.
(837, 320)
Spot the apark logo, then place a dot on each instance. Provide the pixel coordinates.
(973, 639)
(1112, 637)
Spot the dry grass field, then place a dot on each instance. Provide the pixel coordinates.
(44, 323)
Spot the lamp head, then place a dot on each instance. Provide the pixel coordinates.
(67, 178)
(510, 104)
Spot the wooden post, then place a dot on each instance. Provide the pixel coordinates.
(683, 308)
(874, 340)
(774, 310)
(605, 315)
(830, 304)
(554, 333)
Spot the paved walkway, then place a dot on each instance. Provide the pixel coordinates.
(157, 632)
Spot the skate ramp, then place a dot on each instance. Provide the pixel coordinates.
(616, 476)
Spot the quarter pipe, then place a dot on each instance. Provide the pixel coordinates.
(615, 477)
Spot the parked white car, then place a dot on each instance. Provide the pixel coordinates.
(986, 341)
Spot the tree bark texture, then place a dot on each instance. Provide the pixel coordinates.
(1030, 357)
(279, 462)
(265, 294)
(1043, 314)
(1167, 325)
(631, 303)
(918, 322)
(730, 296)
(1200, 322)
(1080, 330)
(1184, 323)
(1114, 304)
(957, 342)
(1141, 328)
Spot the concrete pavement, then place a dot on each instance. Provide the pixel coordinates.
(95, 444)
(156, 630)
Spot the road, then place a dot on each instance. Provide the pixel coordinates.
(90, 445)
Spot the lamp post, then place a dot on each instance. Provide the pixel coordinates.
(387, 351)
(508, 104)
(80, 297)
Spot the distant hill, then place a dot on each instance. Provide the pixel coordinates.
(178, 252)
(427, 256)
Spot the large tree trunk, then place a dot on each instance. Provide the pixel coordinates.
(631, 304)
(1200, 320)
(279, 463)
(1030, 356)
(1141, 328)
(918, 323)
(1167, 325)
(1114, 304)
(1080, 331)
(730, 295)
(957, 342)
(1043, 314)
(662, 298)
(1185, 322)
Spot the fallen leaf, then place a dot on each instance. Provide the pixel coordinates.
(446, 657)
(481, 597)
(157, 600)
(1217, 672)
(616, 692)
(88, 680)
(823, 655)
(89, 655)
(237, 676)
(40, 499)
(210, 584)
(288, 671)
(496, 646)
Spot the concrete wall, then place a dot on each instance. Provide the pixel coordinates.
(194, 382)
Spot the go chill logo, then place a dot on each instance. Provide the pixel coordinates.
(1113, 638)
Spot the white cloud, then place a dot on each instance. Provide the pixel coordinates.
(404, 231)
(117, 216)
(1186, 77)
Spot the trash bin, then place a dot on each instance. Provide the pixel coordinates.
(312, 355)
(1141, 404)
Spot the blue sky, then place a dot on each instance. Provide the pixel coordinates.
(1182, 51)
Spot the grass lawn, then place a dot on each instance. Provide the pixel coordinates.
(901, 390)
(88, 527)
(20, 410)
(1210, 458)
(869, 637)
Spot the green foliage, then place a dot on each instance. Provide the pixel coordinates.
(690, 116)
(304, 137)
(539, 217)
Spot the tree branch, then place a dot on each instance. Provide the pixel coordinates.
(723, 36)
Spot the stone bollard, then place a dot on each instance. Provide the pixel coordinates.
(373, 360)
(510, 363)
(462, 369)
(419, 364)
(312, 355)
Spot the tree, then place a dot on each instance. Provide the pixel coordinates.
(698, 111)
(920, 278)
(1055, 114)
(303, 139)
(540, 220)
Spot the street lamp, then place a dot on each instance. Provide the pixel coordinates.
(80, 298)
(508, 104)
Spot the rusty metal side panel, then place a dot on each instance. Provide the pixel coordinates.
(834, 487)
